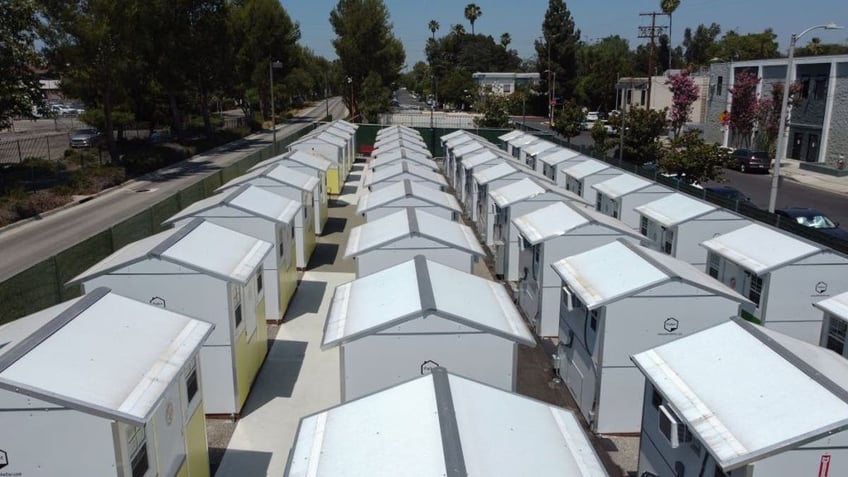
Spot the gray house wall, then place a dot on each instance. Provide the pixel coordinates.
(837, 144)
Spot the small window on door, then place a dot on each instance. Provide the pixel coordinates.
(713, 264)
(259, 282)
(191, 383)
(719, 85)
(137, 450)
(836, 331)
(643, 226)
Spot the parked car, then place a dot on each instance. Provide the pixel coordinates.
(815, 219)
(85, 137)
(746, 160)
(731, 193)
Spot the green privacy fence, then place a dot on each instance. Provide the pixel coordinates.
(43, 284)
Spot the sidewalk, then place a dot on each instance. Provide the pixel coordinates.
(790, 169)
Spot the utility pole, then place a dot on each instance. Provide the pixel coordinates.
(651, 32)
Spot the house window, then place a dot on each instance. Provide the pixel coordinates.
(191, 382)
(593, 320)
(656, 398)
(679, 469)
(599, 200)
(719, 85)
(805, 87)
(755, 287)
(836, 332)
(713, 263)
(668, 245)
(236, 292)
(820, 89)
(507, 88)
(537, 259)
(137, 450)
(238, 314)
(614, 208)
(643, 97)
(643, 226)
(259, 282)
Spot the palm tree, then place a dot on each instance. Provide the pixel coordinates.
(433, 26)
(815, 46)
(457, 29)
(472, 13)
(506, 39)
(668, 7)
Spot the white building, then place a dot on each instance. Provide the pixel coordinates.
(514, 200)
(102, 385)
(549, 234)
(463, 171)
(406, 194)
(294, 185)
(399, 237)
(210, 273)
(554, 161)
(329, 147)
(347, 135)
(441, 424)
(740, 400)
(515, 144)
(677, 224)
(504, 139)
(781, 274)
(486, 179)
(256, 212)
(834, 323)
(618, 300)
(399, 143)
(580, 177)
(395, 173)
(420, 314)
(533, 152)
(620, 195)
(504, 83)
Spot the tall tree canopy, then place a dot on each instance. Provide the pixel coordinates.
(751, 46)
(698, 45)
(600, 64)
(472, 13)
(557, 49)
(19, 87)
(365, 43)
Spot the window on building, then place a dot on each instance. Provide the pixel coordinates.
(593, 320)
(679, 469)
(238, 314)
(537, 260)
(259, 282)
(713, 264)
(236, 293)
(643, 226)
(507, 88)
(719, 85)
(191, 382)
(820, 89)
(668, 244)
(643, 97)
(656, 399)
(836, 332)
(599, 199)
(137, 450)
(718, 472)
(805, 87)
(755, 287)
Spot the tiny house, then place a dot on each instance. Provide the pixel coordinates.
(485, 179)
(406, 194)
(516, 143)
(554, 161)
(480, 160)
(331, 150)
(207, 272)
(579, 178)
(348, 137)
(505, 138)
(619, 196)
(618, 300)
(399, 237)
(549, 234)
(294, 185)
(453, 163)
(436, 425)
(398, 144)
(410, 139)
(309, 163)
(783, 275)
(532, 152)
(102, 385)
(420, 312)
(514, 200)
(395, 173)
(740, 400)
(677, 224)
(256, 212)
(403, 155)
(834, 323)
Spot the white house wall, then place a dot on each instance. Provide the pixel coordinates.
(691, 233)
(628, 202)
(807, 459)
(219, 383)
(57, 442)
(170, 442)
(366, 368)
(329, 151)
(484, 205)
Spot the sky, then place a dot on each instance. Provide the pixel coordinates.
(596, 19)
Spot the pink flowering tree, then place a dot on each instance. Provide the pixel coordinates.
(684, 92)
(744, 107)
(768, 115)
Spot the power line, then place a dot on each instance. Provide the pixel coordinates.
(651, 32)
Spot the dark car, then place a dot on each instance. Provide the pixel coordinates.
(731, 193)
(86, 137)
(815, 219)
(746, 160)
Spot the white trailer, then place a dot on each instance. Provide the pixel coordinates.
(420, 314)
(618, 300)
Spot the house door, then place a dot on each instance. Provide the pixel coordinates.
(797, 141)
(812, 148)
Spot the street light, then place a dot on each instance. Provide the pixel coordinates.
(327, 96)
(352, 106)
(271, 65)
(782, 132)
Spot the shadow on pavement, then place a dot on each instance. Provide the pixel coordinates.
(286, 357)
(348, 189)
(354, 177)
(307, 300)
(247, 462)
(334, 225)
(324, 255)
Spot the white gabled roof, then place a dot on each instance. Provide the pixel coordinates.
(515, 192)
(481, 157)
(306, 157)
(785, 392)
(278, 173)
(459, 140)
(555, 156)
(760, 249)
(674, 209)
(539, 147)
(394, 170)
(449, 136)
(560, 218)
(405, 189)
(495, 172)
(408, 223)
(247, 198)
(439, 425)
(395, 129)
(411, 161)
(397, 155)
(585, 168)
(835, 305)
(511, 135)
(521, 140)
(328, 137)
(621, 185)
(416, 289)
(198, 245)
(403, 140)
(619, 269)
(400, 144)
(101, 354)
(471, 148)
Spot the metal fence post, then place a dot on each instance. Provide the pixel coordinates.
(20, 157)
(47, 139)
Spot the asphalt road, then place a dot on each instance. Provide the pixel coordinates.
(28, 244)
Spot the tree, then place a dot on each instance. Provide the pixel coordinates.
(744, 104)
(684, 92)
(601, 139)
(768, 115)
(689, 158)
(699, 44)
(557, 50)
(433, 26)
(472, 13)
(365, 43)
(641, 138)
(506, 39)
(493, 109)
(816, 48)
(19, 86)
(600, 64)
(668, 7)
(752, 46)
(376, 98)
(567, 120)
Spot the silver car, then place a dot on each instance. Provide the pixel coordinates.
(86, 137)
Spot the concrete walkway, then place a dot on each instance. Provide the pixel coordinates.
(298, 378)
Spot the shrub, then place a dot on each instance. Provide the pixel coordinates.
(39, 202)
